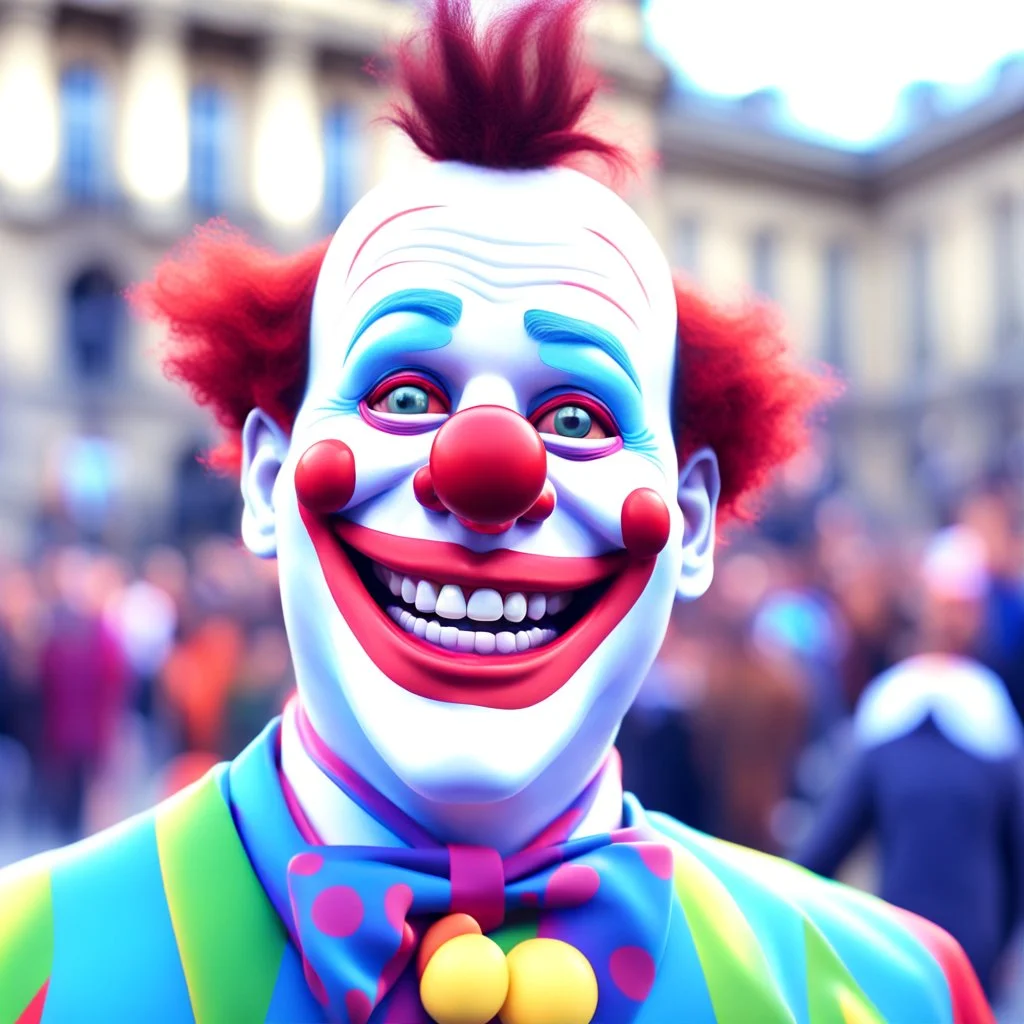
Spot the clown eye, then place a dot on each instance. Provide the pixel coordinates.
(407, 395)
(573, 419)
(409, 400)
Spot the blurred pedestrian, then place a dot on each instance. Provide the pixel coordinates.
(83, 677)
(936, 775)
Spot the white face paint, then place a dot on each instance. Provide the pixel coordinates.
(554, 296)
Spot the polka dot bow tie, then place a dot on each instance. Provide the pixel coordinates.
(361, 913)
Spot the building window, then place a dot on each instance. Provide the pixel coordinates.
(921, 326)
(340, 164)
(208, 148)
(94, 324)
(85, 120)
(686, 244)
(1006, 272)
(835, 343)
(764, 263)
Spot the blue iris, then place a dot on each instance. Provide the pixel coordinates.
(572, 421)
(408, 400)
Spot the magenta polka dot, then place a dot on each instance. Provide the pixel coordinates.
(397, 901)
(657, 859)
(306, 863)
(316, 986)
(338, 911)
(571, 885)
(358, 1006)
(632, 970)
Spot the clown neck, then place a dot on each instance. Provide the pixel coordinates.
(347, 811)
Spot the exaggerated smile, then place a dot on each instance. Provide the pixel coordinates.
(501, 629)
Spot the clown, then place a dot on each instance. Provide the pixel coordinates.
(488, 440)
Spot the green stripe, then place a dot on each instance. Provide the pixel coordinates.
(229, 936)
(739, 982)
(26, 936)
(833, 997)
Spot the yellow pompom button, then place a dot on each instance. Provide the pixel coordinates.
(549, 982)
(465, 981)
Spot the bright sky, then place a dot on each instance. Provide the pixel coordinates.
(839, 66)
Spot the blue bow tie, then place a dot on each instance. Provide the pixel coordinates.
(359, 912)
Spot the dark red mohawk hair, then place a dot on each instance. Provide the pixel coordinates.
(510, 95)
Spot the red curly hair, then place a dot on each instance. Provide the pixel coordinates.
(239, 316)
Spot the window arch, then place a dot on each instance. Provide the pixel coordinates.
(341, 163)
(84, 124)
(209, 147)
(95, 321)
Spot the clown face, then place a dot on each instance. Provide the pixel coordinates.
(479, 517)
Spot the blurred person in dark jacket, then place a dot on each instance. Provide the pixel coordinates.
(656, 739)
(936, 775)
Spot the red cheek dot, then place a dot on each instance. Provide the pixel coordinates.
(645, 523)
(325, 477)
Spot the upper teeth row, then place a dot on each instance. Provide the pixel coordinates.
(484, 605)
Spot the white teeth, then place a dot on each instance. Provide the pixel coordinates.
(381, 573)
(485, 643)
(558, 602)
(470, 641)
(506, 642)
(426, 596)
(515, 607)
(536, 606)
(450, 603)
(408, 590)
(485, 606)
(394, 583)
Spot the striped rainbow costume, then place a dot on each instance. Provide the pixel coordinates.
(171, 918)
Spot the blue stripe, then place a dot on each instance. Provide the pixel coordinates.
(114, 953)
(680, 990)
(446, 309)
(292, 1002)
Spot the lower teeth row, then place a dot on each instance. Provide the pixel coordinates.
(471, 641)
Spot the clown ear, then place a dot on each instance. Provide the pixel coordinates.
(264, 447)
(699, 488)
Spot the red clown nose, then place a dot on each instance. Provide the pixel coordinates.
(488, 467)
(325, 477)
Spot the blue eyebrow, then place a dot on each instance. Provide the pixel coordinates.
(446, 309)
(542, 325)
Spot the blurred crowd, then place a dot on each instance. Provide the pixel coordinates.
(122, 678)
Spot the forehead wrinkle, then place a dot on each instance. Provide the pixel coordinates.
(488, 239)
(491, 281)
(496, 263)
(380, 226)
